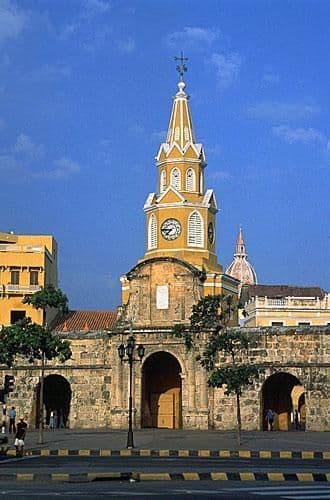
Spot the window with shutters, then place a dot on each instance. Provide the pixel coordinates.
(162, 181)
(152, 233)
(190, 180)
(176, 178)
(195, 230)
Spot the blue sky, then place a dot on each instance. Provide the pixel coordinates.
(86, 89)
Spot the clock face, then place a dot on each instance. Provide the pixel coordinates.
(210, 232)
(171, 229)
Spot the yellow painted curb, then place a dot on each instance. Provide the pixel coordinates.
(145, 453)
(305, 476)
(265, 454)
(204, 453)
(11, 452)
(25, 477)
(285, 454)
(275, 476)
(63, 453)
(44, 453)
(60, 477)
(164, 453)
(307, 454)
(105, 453)
(125, 453)
(224, 453)
(219, 476)
(190, 476)
(154, 476)
(326, 455)
(244, 454)
(247, 476)
(84, 453)
(183, 453)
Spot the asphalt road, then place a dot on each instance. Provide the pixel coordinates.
(74, 464)
(160, 490)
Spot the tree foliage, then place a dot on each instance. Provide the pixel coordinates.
(32, 342)
(49, 296)
(225, 354)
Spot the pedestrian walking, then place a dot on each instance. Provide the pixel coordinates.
(270, 415)
(52, 420)
(60, 419)
(12, 419)
(20, 437)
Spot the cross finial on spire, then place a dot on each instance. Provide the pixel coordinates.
(181, 68)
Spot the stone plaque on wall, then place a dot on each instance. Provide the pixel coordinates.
(162, 297)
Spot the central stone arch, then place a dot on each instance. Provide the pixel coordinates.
(161, 392)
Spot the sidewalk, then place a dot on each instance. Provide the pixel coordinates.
(166, 439)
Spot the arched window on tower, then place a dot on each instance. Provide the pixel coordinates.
(176, 179)
(163, 181)
(195, 230)
(190, 180)
(152, 233)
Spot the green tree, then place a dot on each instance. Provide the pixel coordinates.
(211, 315)
(32, 342)
(48, 298)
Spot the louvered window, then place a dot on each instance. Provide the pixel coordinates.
(162, 181)
(177, 134)
(195, 230)
(186, 134)
(190, 180)
(152, 233)
(176, 178)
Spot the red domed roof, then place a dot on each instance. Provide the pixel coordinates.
(240, 268)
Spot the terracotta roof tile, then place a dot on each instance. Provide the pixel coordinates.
(76, 321)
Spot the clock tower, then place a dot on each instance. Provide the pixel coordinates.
(181, 215)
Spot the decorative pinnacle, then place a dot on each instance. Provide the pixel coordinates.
(181, 68)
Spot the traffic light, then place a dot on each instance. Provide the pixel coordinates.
(9, 384)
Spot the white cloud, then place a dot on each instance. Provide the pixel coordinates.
(26, 160)
(49, 72)
(227, 68)
(128, 46)
(300, 134)
(13, 20)
(95, 7)
(275, 110)
(61, 169)
(25, 147)
(192, 37)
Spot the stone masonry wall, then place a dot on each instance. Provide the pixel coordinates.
(99, 382)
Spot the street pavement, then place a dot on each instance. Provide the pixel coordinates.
(167, 439)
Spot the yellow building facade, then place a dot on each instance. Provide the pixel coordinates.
(284, 305)
(181, 215)
(27, 263)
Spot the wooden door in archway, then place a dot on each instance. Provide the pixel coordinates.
(161, 394)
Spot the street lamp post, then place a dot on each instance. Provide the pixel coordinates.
(129, 350)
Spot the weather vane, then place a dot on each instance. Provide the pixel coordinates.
(181, 68)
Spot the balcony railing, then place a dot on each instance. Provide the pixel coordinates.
(22, 288)
(288, 302)
(21, 248)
